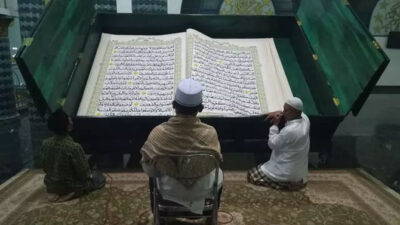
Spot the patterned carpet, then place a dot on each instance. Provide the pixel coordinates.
(331, 197)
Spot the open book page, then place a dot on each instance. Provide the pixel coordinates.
(137, 75)
(240, 77)
(283, 90)
(134, 75)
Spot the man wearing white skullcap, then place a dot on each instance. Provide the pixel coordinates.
(189, 93)
(287, 168)
(295, 103)
(180, 135)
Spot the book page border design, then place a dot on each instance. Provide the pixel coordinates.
(228, 46)
(94, 101)
(177, 42)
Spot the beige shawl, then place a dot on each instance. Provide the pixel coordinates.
(182, 135)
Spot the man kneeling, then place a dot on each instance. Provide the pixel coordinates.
(180, 135)
(288, 166)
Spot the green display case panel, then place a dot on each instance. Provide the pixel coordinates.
(350, 58)
(48, 58)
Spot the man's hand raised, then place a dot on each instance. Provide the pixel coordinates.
(270, 116)
(276, 120)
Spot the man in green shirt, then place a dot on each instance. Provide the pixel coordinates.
(68, 173)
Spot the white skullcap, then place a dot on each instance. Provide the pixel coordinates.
(189, 93)
(295, 103)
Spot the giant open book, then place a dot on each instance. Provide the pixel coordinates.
(136, 75)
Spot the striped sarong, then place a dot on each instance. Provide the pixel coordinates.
(257, 177)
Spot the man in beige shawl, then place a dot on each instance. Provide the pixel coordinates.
(188, 185)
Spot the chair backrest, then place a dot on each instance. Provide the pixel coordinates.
(184, 165)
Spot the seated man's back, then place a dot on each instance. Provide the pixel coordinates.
(64, 162)
(183, 134)
(65, 165)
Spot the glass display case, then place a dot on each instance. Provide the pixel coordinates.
(330, 60)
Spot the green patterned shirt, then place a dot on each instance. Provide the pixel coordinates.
(65, 165)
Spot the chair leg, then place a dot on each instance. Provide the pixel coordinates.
(209, 221)
(214, 218)
(156, 220)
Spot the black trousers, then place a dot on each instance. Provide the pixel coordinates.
(97, 181)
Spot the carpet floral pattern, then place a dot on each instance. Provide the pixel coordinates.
(330, 198)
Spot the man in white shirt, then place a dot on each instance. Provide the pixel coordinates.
(180, 135)
(288, 165)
